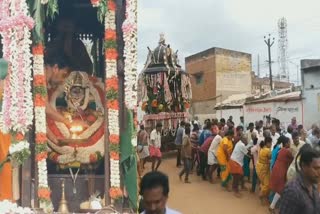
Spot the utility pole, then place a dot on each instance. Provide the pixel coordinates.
(269, 43)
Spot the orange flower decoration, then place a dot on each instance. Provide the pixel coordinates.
(41, 156)
(111, 53)
(93, 158)
(39, 80)
(112, 5)
(39, 100)
(115, 192)
(187, 105)
(19, 136)
(37, 50)
(154, 103)
(114, 155)
(95, 2)
(113, 104)
(41, 138)
(112, 83)
(114, 139)
(44, 193)
(110, 34)
(144, 106)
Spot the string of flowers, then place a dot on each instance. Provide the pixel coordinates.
(15, 26)
(41, 148)
(129, 28)
(112, 103)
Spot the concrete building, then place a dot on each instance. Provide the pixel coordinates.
(216, 74)
(262, 84)
(310, 73)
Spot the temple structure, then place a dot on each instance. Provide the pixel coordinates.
(164, 90)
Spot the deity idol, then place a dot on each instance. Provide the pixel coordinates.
(81, 143)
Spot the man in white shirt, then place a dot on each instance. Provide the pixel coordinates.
(251, 130)
(212, 159)
(155, 145)
(236, 163)
(289, 133)
(274, 135)
(154, 188)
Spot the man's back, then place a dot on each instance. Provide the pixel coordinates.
(179, 136)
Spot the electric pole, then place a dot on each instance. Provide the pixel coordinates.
(269, 44)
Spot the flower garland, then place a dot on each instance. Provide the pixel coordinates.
(129, 28)
(17, 110)
(9, 207)
(40, 97)
(112, 103)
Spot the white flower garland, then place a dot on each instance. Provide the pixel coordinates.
(9, 207)
(130, 38)
(17, 100)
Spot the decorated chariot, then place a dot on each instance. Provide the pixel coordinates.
(79, 163)
(164, 92)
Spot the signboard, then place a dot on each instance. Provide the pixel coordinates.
(280, 110)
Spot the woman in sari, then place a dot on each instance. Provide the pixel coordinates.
(263, 168)
(279, 172)
(223, 154)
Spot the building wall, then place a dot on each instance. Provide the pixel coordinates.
(205, 67)
(311, 98)
(203, 107)
(236, 113)
(233, 73)
(224, 72)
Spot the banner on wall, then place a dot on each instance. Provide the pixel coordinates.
(284, 111)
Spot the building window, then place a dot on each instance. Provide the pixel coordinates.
(199, 78)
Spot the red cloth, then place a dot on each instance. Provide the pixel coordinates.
(278, 178)
(235, 168)
(155, 152)
(206, 145)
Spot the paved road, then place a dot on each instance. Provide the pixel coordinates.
(201, 197)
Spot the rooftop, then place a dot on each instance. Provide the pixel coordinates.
(215, 51)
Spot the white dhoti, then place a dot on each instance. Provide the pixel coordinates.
(212, 158)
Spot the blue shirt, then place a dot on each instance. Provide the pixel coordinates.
(274, 155)
(204, 135)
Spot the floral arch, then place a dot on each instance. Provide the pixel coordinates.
(21, 28)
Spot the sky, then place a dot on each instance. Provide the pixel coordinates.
(192, 26)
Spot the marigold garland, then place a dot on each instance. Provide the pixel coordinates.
(40, 97)
(112, 103)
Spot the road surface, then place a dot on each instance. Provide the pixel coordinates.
(201, 197)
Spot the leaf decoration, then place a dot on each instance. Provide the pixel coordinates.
(102, 9)
(52, 9)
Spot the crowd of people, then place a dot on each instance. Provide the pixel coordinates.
(285, 163)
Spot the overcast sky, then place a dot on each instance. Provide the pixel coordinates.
(192, 26)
